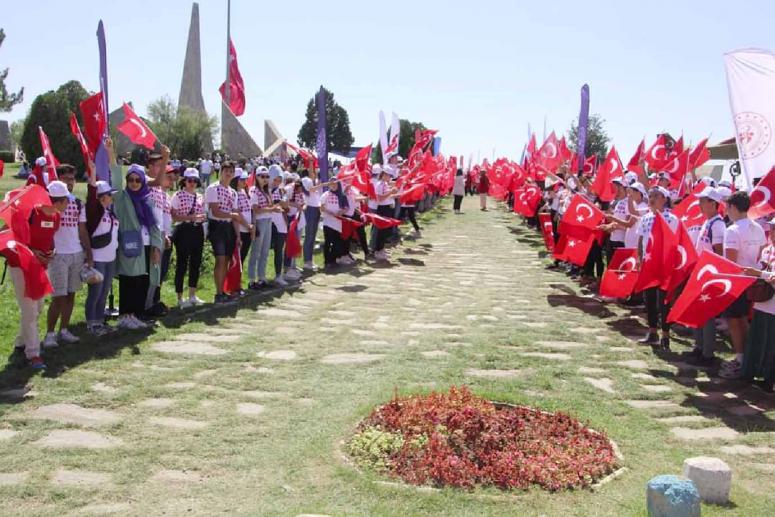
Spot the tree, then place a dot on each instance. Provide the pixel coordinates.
(51, 111)
(337, 126)
(597, 138)
(17, 129)
(405, 139)
(181, 129)
(7, 100)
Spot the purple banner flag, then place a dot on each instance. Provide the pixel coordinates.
(321, 144)
(101, 161)
(582, 127)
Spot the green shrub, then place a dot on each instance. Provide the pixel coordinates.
(7, 156)
(372, 447)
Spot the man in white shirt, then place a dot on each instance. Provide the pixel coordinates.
(743, 243)
(72, 247)
(710, 237)
(205, 169)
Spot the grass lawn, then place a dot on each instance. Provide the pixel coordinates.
(242, 410)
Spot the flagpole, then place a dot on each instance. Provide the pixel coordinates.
(227, 89)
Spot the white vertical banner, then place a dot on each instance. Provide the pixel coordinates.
(395, 133)
(751, 83)
(383, 136)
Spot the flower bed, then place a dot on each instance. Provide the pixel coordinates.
(461, 440)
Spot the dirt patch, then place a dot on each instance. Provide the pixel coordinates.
(278, 355)
(178, 423)
(354, 358)
(188, 348)
(74, 414)
(71, 439)
(82, 478)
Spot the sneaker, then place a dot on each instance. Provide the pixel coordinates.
(254, 286)
(731, 372)
(342, 261)
(310, 266)
(126, 323)
(67, 337)
(702, 361)
(292, 274)
(184, 304)
(138, 323)
(196, 301)
(664, 343)
(650, 339)
(36, 363)
(50, 340)
(734, 364)
(280, 281)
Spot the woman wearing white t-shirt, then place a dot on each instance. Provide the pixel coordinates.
(312, 191)
(743, 243)
(189, 215)
(759, 356)
(103, 227)
(263, 209)
(385, 194)
(279, 222)
(331, 210)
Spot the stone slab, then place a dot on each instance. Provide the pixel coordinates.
(72, 439)
(187, 348)
(74, 414)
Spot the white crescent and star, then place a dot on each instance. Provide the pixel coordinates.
(631, 261)
(553, 147)
(578, 211)
(682, 252)
(766, 193)
(726, 283)
(140, 127)
(654, 151)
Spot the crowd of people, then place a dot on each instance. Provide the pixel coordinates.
(130, 226)
(717, 221)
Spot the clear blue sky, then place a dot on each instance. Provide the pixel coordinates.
(477, 71)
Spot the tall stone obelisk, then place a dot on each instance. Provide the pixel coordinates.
(191, 84)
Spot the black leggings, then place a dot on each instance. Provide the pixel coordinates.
(656, 308)
(594, 263)
(165, 267)
(611, 248)
(332, 245)
(278, 245)
(382, 235)
(133, 290)
(189, 244)
(361, 234)
(407, 212)
(458, 202)
(245, 246)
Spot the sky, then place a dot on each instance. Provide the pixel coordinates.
(479, 72)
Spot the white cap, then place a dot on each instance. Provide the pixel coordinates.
(711, 193)
(58, 189)
(376, 169)
(275, 172)
(240, 174)
(661, 190)
(41, 162)
(708, 181)
(103, 187)
(639, 187)
(618, 181)
(631, 177)
(724, 193)
(191, 172)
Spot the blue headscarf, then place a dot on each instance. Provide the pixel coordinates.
(140, 197)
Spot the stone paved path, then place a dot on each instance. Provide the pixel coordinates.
(245, 413)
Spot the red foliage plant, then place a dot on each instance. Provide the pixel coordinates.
(461, 440)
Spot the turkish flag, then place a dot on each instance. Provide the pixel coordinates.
(678, 147)
(2, 168)
(581, 213)
(714, 284)
(293, 245)
(382, 223)
(688, 211)
(656, 154)
(413, 194)
(574, 249)
(606, 173)
(36, 281)
(233, 281)
(762, 203)
(526, 200)
(590, 165)
(136, 129)
(622, 273)
(677, 168)
(51, 161)
(93, 116)
(685, 256)
(236, 100)
(565, 153)
(23, 200)
(659, 257)
(531, 146)
(349, 227)
(634, 163)
(699, 155)
(549, 155)
(75, 129)
(547, 230)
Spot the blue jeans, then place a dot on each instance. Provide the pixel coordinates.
(259, 251)
(98, 293)
(312, 216)
(205, 180)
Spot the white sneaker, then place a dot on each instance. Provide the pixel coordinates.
(137, 323)
(342, 261)
(184, 304)
(349, 260)
(98, 330)
(125, 322)
(195, 300)
(310, 266)
(67, 337)
(50, 340)
(292, 274)
(280, 281)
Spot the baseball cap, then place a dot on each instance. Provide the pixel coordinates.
(376, 169)
(170, 168)
(639, 187)
(708, 181)
(275, 172)
(40, 162)
(711, 193)
(191, 173)
(103, 187)
(724, 193)
(662, 190)
(240, 174)
(58, 189)
(618, 181)
(631, 177)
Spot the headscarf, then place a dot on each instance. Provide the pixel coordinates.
(140, 197)
(341, 197)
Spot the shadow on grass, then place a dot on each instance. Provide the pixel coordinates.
(588, 305)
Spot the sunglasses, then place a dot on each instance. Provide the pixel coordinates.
(191, 180)
(133, 180)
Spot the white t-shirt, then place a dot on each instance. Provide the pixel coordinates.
(373, 202)
(747, 237)
(768, 262)
(260, 200)
(351, 194)
(382, 188)
(711, 233)
(278, 218)
(226, 197)
(621, 211)
(162, 209)
(66, 240)
(205, 167)
(106, 224)
(647, 223)
(245, 209)
(330, 202)
(631, 233)
(313, 198)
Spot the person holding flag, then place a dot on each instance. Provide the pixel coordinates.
(332, 210)
(743, 242)
(311, 187)
(32, 233)
(279, 221)
(223, 226)
(654, 297)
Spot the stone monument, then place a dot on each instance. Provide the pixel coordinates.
(235, 139)
(274, 142)
(191, 83)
